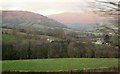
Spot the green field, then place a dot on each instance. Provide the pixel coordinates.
(7, 38)
(65, 64)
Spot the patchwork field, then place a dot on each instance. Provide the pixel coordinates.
(58, 64)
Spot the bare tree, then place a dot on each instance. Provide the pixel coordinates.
(110, 8)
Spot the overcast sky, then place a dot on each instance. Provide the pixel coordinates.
(46, 7)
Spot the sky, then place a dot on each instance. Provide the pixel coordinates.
(46, 7)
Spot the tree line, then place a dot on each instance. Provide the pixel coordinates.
(31, 49)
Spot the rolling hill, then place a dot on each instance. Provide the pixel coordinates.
(26, 19)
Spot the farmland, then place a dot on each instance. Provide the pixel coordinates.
(59, 64)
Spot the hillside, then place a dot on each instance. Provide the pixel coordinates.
(27, 19)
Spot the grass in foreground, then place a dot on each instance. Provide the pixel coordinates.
(65, 64)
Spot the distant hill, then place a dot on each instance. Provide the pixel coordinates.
(25, 19)
(75, 17)
(77, 20)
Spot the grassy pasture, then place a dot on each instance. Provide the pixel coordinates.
(58, 64)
